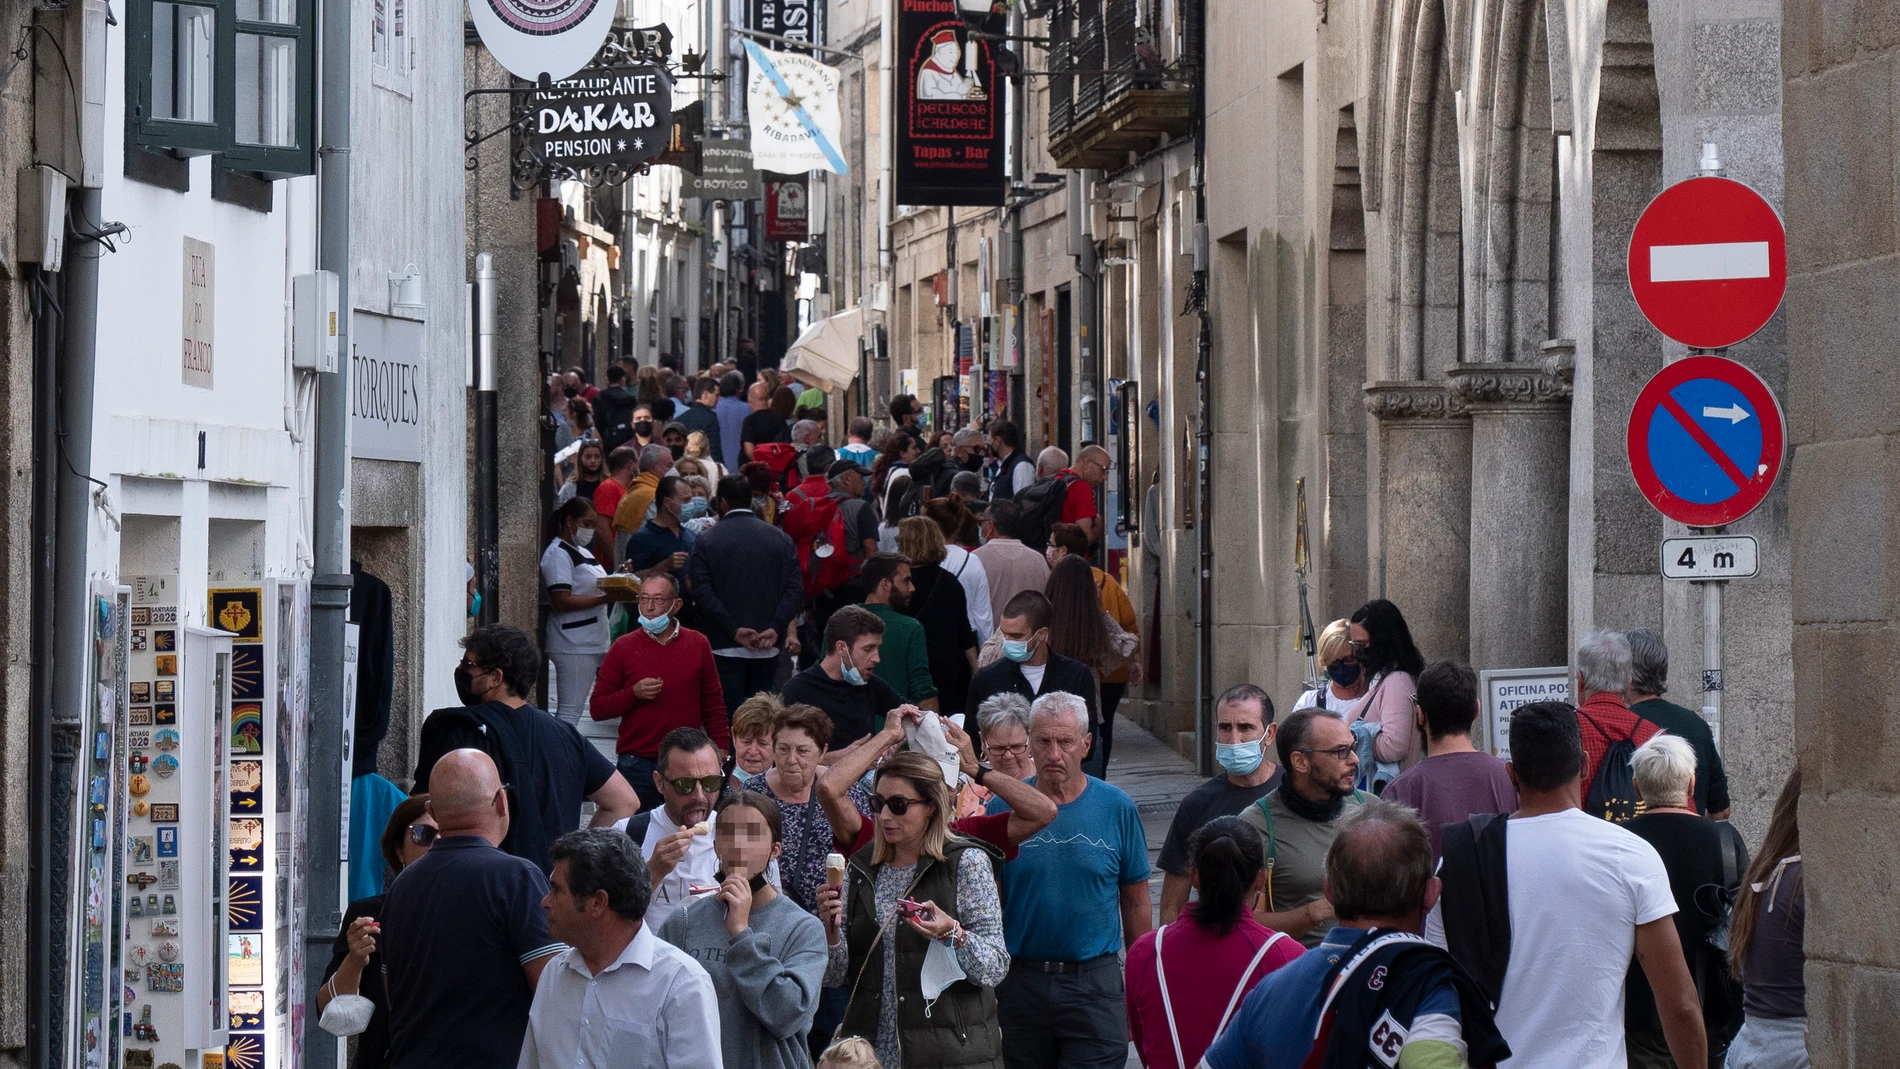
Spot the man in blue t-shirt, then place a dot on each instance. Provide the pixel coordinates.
(1078, 894)
(1398, 999)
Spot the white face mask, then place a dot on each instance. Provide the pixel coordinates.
(347, 1015)
(941, 969)
(584, 536)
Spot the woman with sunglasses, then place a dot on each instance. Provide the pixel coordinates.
(918, 895)
(766, 956)
(352, 999)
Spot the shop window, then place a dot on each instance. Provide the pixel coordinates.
(390, 55)
(234, 78)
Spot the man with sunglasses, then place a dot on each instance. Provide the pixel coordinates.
(1299, 821)
(658, 677)
(680, 857)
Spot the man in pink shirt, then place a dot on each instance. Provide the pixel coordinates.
(658, 677)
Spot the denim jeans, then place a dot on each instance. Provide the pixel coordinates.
(638, 772)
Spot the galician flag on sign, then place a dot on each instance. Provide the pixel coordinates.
(793, 101)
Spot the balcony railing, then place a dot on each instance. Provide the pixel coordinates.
(1112, 92)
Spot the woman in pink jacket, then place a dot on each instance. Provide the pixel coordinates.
(1388, 658)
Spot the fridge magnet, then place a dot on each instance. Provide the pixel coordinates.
(139, 954)
(244, 897)
(164, 976)
(137, 739)
(164, 614)
(135, 909)
(245, 1051)
(141, 693)
(141, 849)
(138, 1059)
(138, 763)
(164, 765)
(164, 928)
(166, 664)
(141, 807)
(138, 639)
(166, 739)
(247, 673)
(236, 611)
(166, 690)
(165, 812)
(139, 786)
(247, 1009)
(168, 875)
(165, 713)
(167, 950)
(145, 1029)
(247, 728)
(140, 715)
(247, 785)
(168, 841)
(171, 906)
(165, 641)
(151, 905)
(245, 962)
(141, 617)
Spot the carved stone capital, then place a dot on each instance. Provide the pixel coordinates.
(1511, 384)
(1412, 400)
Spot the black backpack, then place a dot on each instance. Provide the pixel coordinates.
(1612, 794)
(1039, 508)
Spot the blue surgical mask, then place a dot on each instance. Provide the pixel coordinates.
(693, 509)
(1344, 672)
(655, 624)
(475, 606)
(1239, 758)
(1016, 649)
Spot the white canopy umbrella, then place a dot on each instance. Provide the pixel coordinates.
(825, 356)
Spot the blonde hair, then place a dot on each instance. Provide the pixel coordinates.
(755, 716)
(926, 776)
(1663, 768)
(920, 540)
(1335, 643)
(851, 1052)
(698, 445)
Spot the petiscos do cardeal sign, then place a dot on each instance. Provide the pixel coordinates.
(617, 117)
(949, 106)
(531, 38)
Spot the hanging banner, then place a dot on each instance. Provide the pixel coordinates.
(793, 101)
(530, 38)
(949, 145)
(787, 208)
(799, 20)
(726, 171)
(616, 117)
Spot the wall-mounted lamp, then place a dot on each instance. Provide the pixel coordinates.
(405, 292)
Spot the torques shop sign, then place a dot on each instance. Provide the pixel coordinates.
(616, 117)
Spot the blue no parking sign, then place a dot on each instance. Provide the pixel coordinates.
(1705, 441)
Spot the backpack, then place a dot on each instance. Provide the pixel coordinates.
(808, 520)
(1612, 793)
(500, 741)
(1040, 509)
(778, 456)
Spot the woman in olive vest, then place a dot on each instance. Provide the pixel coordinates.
(916, 931)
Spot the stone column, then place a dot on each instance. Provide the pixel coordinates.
(1520, 486)
(1424, 487)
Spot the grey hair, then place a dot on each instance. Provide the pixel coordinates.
(805, 432)
(1379, 863)
(966, 482)
(880, 438)
(1649, 662)
(698, 482)
(656, 457)
(967, 436)
(1050, 461)
(1001, 711)
(601, 859)
(1057, 702)
(1603, 659)
(1248, 692)
(1663, 767)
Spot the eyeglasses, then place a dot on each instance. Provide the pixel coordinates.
(422, 834)
(710, 784)
(1337, 753)
(472, 666)
(660, 601)
(1359, 644)
(1017, 750)
(896, 803)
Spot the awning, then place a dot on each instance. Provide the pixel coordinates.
(825, 356)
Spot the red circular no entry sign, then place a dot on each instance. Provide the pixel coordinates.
(1708, 262)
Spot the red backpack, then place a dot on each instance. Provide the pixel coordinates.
(809, 520)
(779, 456)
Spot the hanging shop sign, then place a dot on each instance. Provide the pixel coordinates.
(682, 148)
(793, 101)
(532, 38)
(386, 385)
(726, 171)
(787, 207)
(610, 117)
(797, 20)
(949, 108)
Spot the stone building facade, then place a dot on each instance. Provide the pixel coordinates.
(1838, 62)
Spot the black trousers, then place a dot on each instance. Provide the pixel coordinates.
(1064, 1021)
(742, 677)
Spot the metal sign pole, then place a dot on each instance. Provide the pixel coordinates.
(1712, 593)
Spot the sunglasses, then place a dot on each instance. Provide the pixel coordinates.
(710, 784)
(896, 803)
(1337, 753)
(422, 834)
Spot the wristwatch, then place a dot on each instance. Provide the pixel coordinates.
(982, 769)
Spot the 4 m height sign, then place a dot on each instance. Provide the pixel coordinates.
(949, 107)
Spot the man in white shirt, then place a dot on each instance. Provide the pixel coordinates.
(618, 996)
(1582, 895)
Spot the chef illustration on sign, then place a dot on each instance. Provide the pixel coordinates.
(939, 79)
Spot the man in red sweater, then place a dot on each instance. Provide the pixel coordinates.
(1603, 674)
(658, 677)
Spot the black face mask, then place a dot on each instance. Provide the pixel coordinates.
(464, 686)
(677, 450)
(757, 881)
(644, 429)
